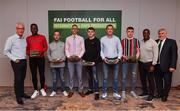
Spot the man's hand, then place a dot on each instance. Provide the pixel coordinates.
(172, 69)
(151, 68)
(125, 57)
(116, 61)
(105, 60)
(77, 58)
(17, 61)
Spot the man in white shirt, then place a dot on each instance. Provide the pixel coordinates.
(15, 49)
(148, 60)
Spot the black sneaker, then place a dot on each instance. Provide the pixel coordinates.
(149, 99)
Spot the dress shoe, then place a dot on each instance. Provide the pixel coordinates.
(157, 96)
(143, 95)
(81, 94)
(26, 96)
(89, 92)
(164, 99)
(149, 99)
(70, 94)
(20, 101)
(96, 96)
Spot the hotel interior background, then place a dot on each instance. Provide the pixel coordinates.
(152, 14)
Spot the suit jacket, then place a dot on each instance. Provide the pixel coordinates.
(168, 55)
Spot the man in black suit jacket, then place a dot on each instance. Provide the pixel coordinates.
(166, 65)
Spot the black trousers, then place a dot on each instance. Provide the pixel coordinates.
(163, 81)
(19, 76)
(147, 78)
(37, 63)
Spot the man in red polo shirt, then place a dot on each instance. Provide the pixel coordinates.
(36, 47)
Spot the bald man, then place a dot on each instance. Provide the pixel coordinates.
(15, 49)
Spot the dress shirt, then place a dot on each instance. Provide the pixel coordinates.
(111, 47)
(15, 47)
(74, 46)
(161, 44)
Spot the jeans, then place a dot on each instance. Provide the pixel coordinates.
(106, 68)
(72, 66)
(132, 67)
(58, 72)
(93, 78)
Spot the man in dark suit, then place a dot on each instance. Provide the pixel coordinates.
(166, 65)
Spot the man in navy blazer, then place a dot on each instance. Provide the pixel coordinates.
(166, 65)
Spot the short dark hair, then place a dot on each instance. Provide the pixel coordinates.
(56, 31)
(146, 30)
(130, 28)
(34, 24)
(110, 25)
(91, 28)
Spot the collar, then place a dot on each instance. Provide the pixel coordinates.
(163, 40)
(130, 38)
(17, 36)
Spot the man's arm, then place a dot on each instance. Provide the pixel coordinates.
(155, 53)
(174, 53)
(82, 48)
(7, 50)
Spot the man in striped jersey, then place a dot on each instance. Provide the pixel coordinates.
(131, 52)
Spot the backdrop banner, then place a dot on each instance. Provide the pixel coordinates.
(63, 20)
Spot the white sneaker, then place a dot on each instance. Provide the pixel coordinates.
(116, 96)
(35, 94)
(123, 94)
(65, 93)
(53, 94)
(104, 96)
(43, 93)
(134, 94)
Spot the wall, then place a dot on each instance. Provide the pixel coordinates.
(140, 14)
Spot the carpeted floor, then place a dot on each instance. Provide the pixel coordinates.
(59, 102)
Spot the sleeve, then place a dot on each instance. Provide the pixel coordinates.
(64, 56)
(98, 50)
(67, 48)
(7, 50)
(138, 49)
(27, 47)
(45, 45)
(119, 49)
(82, 48)
(84, 55)
(49, 54)
(174, 50)
(155, 53)
(102, 49)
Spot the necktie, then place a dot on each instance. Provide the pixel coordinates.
(159, 46)
(74, 45)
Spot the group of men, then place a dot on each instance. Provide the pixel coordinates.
(157, 61)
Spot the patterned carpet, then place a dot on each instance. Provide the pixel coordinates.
(59, 102)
